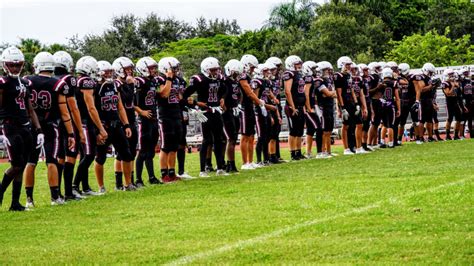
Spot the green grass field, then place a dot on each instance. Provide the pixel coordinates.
(413, 204)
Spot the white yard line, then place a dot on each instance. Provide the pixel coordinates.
(285, 230)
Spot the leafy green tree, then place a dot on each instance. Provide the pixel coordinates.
(209, 28)
(432, 47)
(297, 13)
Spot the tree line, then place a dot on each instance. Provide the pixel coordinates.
(411, 31)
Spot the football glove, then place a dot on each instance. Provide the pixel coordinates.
(357, 112)
(345, 115)
(40, 140)
(415, 107)
(5, 140)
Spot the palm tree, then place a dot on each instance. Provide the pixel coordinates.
(28, 45)
(297, 13)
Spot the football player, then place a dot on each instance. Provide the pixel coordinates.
(48, 98)
(17, 116)
(450, 88)
(361, 107)
(277, 91)
(67, 157)
(125, 84)
(376, 118)
(390, 105)
(146, 107)
(210, 98)
(313, 113)
(114, 119)
(466, 86)
(231, 116)
(326, 96)
(87, 69)
(295, 84)
(407, 99)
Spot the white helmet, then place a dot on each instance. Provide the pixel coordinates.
(43, 61)
(375, 67)
(207, 64)
(392, 65)
(342, 61)
(387, 73)
(104, 66)
(249, 61)
(324, 65)
(63, 59)
(275, 60)
(404, 68)
(428, 69)
(258, 72)
(232, 67)
(291, 61)
(362, 67)
(447, 73)
(382, 64)
(120, 63)
(309, 68)
(12, 55)
(166, 63)
(87, 65)
(144, 65)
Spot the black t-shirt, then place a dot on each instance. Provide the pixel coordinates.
(127, 94)
(44, 97)
(297, 87)
(84, 83)
(145, 96)
(344, 81)
(15, 94)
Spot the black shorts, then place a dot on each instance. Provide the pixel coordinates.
(453, 110)
(116, 137)
(295, 122)
(247, 121)
(183, 142)
(275, 129)
(376, 112)
(231, 125)
(21, 144)
(388, 117)
(263, 125)
(353, 118)
(328, 118)
(404, 112)
(171, 130)
(63, 144)
(147, 138)
(426, 114)
(312, 123)
(132, 142)
(52, 146)
(89, 131)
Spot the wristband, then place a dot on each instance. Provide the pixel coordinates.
(70, 135)
(39, 131)
(126, 126)
(168, 78)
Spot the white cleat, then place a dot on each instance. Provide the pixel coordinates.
(256, 165)
(186, 176)
(58, 201)
(29, 204)
(91, 192)
(204, 174)
(102, 190)
(348, 152)
(361, 151)
(221, 172)
(419, 142)
(247, 166)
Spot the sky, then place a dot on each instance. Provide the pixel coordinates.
(54, 21)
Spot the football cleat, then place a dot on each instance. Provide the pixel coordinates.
(348, 152)
(29, 203)
(102, 190)
(139, 183)
(186, 176)
(118, 188)
(77, 193)
(90, 192)
(154, 181)
(58, 201)
(130, 187)
(18, 207)
(361, 151)
(256, 165)
(221, 172)
(419, 142)
(204, 174)
(167, 179)
(73, 197)
(247, 166)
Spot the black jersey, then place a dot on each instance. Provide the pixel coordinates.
(297, 87)
(357, 85)
(319, 85)
(106, 101)
(15, 94)
(344, 81)
(44, 97)
(388, 90)
(127, 95)
(466, 86)
(233, 93)
(145, 96)
(70, 83)
(84, 83)
(169, 106)
(427, 95)
(373, 82)
(182, 88)
(312, 90)
(209, 91)
(276, 84)
(264, 89)
(247, 102)
(407, 91)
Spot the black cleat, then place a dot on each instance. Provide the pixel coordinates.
(432, 140)
(17, 207)
(139, 183)
(72, 198)
(155, 181)
(209, 168)
(383, 146)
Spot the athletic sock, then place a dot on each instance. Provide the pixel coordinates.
(118, 179)
(16, 191)
(292, 154)
(171, 172)
(180, 155)
(29, 192)
(133, 177)
(54, 192)
(60, 168)
(150, 168)
(68, 175)
(6, 182)
(164, 172)
(456, 134)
